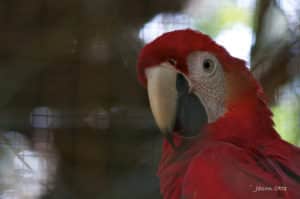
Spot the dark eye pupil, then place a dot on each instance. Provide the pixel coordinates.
(207, 64)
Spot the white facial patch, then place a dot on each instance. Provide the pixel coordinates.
(208, 83)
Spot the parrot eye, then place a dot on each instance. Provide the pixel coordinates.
(209, 66)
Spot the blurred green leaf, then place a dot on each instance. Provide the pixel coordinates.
(224, 18)
(286, 118)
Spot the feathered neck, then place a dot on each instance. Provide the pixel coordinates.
(247, 122)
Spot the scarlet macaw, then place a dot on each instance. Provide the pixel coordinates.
(219, 136)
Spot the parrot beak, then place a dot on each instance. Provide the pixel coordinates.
(161, 85)
(174, 106)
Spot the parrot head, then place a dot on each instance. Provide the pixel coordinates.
(193, 82)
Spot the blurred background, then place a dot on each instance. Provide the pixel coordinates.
(75, 123)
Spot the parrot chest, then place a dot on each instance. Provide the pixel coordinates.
(172, 170)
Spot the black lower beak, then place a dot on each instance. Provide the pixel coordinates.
(191, 115)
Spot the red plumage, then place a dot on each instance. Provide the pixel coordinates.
(240, 155)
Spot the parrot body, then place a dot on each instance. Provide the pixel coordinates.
(234, 152)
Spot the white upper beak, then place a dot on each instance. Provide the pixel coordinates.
(161, 85)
